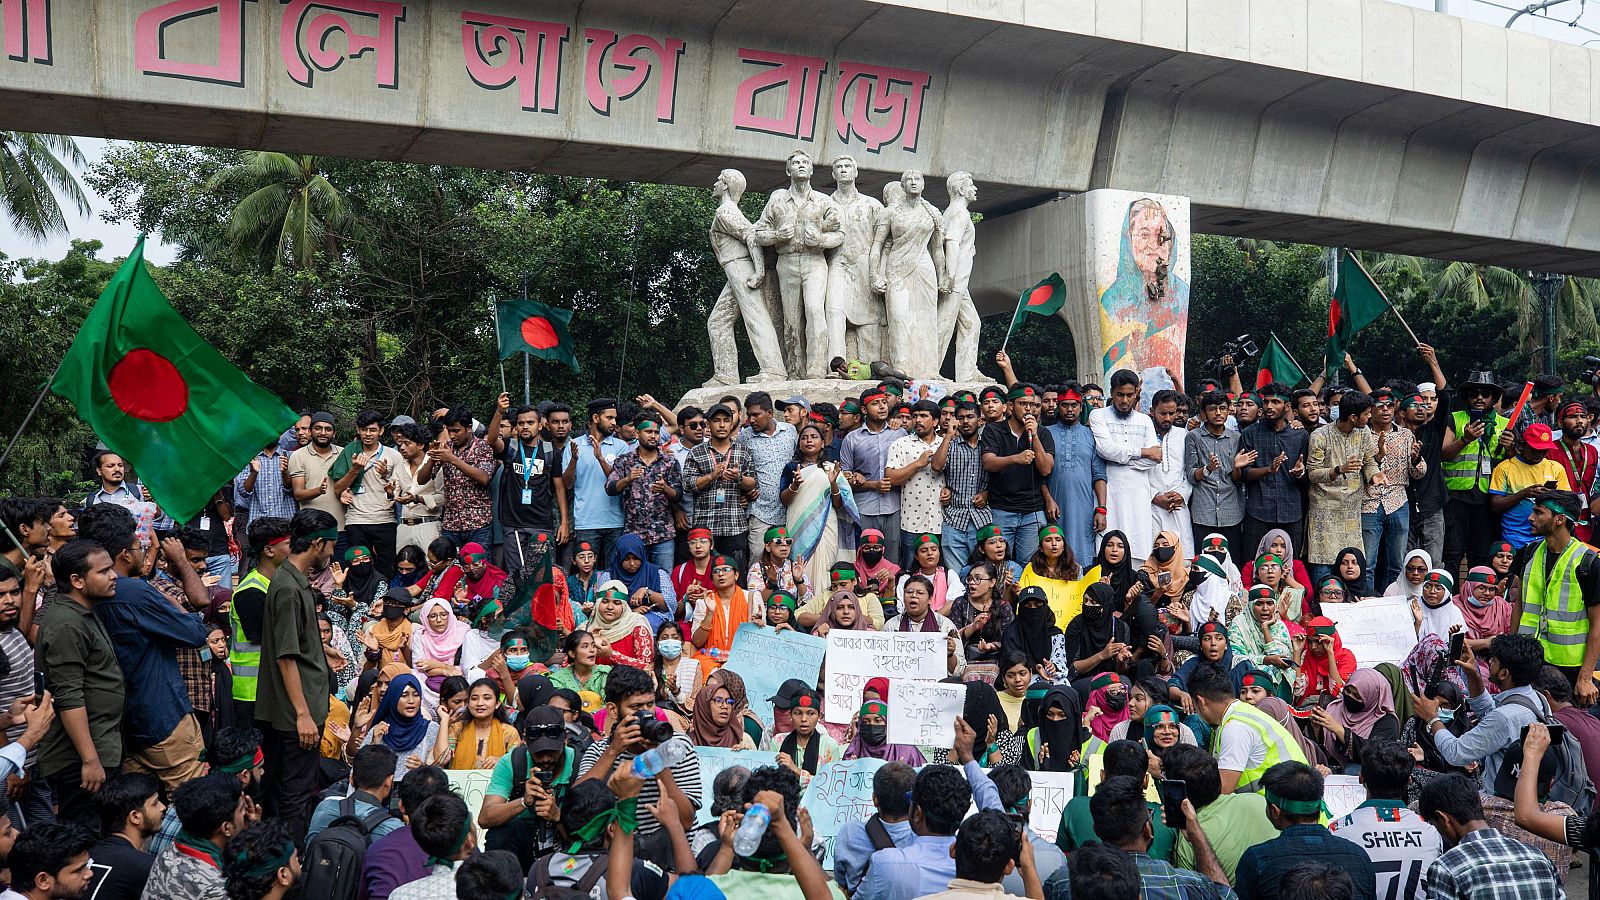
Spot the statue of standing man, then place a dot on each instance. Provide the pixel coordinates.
(958, 316)
(800, 224)
(855, 314)
(733, 239)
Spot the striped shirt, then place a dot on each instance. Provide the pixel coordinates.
(686, 773)
(18, 683)
(965, 477)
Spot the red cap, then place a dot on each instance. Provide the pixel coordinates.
(1539, 437)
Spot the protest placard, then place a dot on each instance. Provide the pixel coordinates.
(765, 658)
(1342, 793)
(470, 785)
(1051, 791)
(713, 760)
(1376, 630)
(841, 792)
(854, 656)
(923, 713)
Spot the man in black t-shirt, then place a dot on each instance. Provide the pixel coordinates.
(1018, 455)
(532, 496)
(130, 814)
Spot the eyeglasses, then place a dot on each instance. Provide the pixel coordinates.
(978, 576)
(1332, 592)
(548, 730)
(724, 701)
(1416, 568)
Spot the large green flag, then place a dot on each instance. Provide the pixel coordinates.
(1356, 303)
(1277, 365)
(161, 397)
(533, 328)
(1043, 299)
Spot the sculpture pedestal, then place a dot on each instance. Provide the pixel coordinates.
(815, 390)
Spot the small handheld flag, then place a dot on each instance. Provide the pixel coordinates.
(1043, 299)
(531, 327)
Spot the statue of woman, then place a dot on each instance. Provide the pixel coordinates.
(907, 255)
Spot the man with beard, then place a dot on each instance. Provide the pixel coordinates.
(309, 467)
(718, 474)
(1273, 499)
(967, 483)
(1078, 482)
(1126, 439)
(1474, 440)
(262, 864)
(1049, 399)
(912, 467)
(148, 629)
(1248, 410)
(237, 752)
(531, 497)
(131, 813)
(1210, 454)
(1019, 457)
(596, 515)
(51, 862)
(1170, 504)
(647, 481)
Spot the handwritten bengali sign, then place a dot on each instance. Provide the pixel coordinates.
(471, 785)
(1342, 793)
(765, 658)
(713, 760)
(855, 656)
(1047, 800)
(923, 713)
(1376, 630)
(840, 792)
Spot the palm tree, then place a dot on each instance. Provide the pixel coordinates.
(289, 210)
(31, 171)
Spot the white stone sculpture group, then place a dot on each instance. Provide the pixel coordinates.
(856, 278)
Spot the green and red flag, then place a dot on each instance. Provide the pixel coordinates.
(1043, 299)
(528, 326)
(1355, 303)
(1277, 365)
(162, 398)
(536, 607)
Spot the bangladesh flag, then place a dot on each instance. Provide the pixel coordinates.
(162, 398)
(530, 327)
(537, 607)
(1277, 365)
(1356, 303)
(1044, 299)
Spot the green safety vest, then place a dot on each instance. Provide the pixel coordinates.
(1280, 746)
(244, 656)
(1471, 469)
(1556, 617)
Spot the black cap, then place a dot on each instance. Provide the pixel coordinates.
(787, 691)
(721, 409)
(546, 739)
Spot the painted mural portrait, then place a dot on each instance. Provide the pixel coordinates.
(1144, 312)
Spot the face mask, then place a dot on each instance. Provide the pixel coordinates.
(1354, 704)
(394, 613)
(1094, 611)
(1480, 604)
(874, 735)
(671, 649)
(516, 662)
(1198, 577)
(360, 570)
(1446, 715)
(1163, 555)
(872, 557)
(1115, 702)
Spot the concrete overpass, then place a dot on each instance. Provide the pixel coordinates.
(1361, 122)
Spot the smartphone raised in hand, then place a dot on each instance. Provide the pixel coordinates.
(1558, 733)
(1173, 792)
(1458, 645)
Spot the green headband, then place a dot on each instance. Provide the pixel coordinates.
(358, 550)
(927, 539)
(466, 832)
(647, 423)
(874, 708)
(842, 570)
(1022, 390)
(775, 532)
(1262, 592)
(1105, 680)
(1268, 557)
(783, 598)
(326, 534)
(248, 761)
(625, 814)
(270, 865)
(1049, 530)
(1252, 396)
(613, 594)
(489, 609)
(1297, 807)
(1556, 506)
(989, 531)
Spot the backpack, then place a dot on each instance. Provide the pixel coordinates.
(878, 834)
(1572, 785)
(545, 888)
(334, 858)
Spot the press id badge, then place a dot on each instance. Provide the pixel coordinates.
(205, 523)
(527, 496)
(722, 495)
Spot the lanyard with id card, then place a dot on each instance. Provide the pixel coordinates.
(531, 466)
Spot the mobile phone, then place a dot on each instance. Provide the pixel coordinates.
(1558, 733)
(38, 683)
(1173, 792)
(545, 778)
(1458, 643)
(1165, 578)
(1550, 484)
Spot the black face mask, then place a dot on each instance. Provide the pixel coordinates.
(874, 735)
(1115, 702)
(394, 613)
(872, 557)
(1354, 704)
(1094, 612)
(1198, 577)
(1163, 555)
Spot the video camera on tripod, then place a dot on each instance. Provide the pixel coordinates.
(1239, 349)
(1591, 375)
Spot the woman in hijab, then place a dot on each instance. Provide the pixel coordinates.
(648, 587)
(533, 691)
(1211, 593)
(1216, 546)
(402, 726)
(873, 571)
(1098, 640)
(1412, 572)
(1162, 729)
(621, 635)
(1144, 695)
(1259, 637)
(1485, 612)
(1434, 611)
(1502, 556)
(1034, 635)
(1112, 564)
(1167, 568)
(410, 567)
(1324, 664)
(1106, 708)
(872, 738)
(843, 612)
(992, 548)
(982, 618)
(1277, 543)
(472, 579)
(717, 719)
(436, 645)
(995, 744)
(1350, 567)
(1364, 712)
(1055, 733)
(1285, 716)
(388, 640)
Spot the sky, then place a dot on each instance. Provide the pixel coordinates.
(119, 238)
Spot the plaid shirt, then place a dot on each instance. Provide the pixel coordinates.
(1397, 471)
(468, 504)
(196, 672)
(1158, 880)
(645, 512)
(965, 477)
(1487, 865)
(728, 518)
(273, 494)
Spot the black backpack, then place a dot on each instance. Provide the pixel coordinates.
(543, 887)
(1572, 785)
(878, 834)
(335, 857)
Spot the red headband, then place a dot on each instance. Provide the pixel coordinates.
(1070, 394)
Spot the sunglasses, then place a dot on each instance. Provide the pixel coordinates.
(548, 730)
(781, 540)
(1416, 568)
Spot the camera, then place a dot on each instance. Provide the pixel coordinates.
(1591, 375)
(652, 729)
(1240, 349)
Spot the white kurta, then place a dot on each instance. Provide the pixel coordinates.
(1128, 480)
(1165, 476)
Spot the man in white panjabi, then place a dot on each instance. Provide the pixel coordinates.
(733, 241)
(958, 316)
(855, 314)
(1170, 487)
(800, 224)
(1126, 439)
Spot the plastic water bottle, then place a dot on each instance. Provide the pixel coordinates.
(748, 838)
(650, 763)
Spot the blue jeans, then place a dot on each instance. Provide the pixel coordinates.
(601, 540)
(1388, 531)
(661, 555)
(482, 536)
(1021, 531)
(956, 546)
(221, 566)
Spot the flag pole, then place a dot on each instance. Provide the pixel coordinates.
(32, 410)
(1285, 348)
(1357, 260)
(527, 376)
(1012, 327)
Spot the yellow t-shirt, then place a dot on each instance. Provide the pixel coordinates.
(1513, 475)
(1066, 597)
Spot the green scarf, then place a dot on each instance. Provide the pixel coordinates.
(204, 846)
(625, 814)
